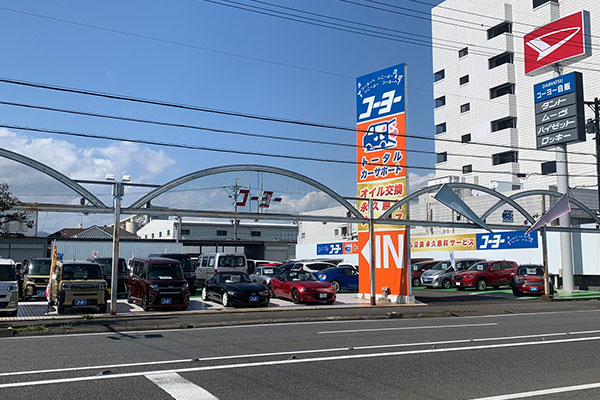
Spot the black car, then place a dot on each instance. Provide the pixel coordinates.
(122, 273)
(235, 288)
(188, 268)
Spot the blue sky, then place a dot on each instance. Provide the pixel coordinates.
(59, 53)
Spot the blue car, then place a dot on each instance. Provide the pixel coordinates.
(341, 278)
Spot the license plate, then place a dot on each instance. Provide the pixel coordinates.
(457, 283)
(253, 298)
(80, 302)
(533, 289)
(41, 293)
(322, 295)
(166, 300)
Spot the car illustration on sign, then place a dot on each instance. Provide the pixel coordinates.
(380, 136)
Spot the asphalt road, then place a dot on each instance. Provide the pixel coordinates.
(439, 358)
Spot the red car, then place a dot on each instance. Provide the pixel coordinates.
(417, 269)
(486, 273)
(301, 287)
(530, 280)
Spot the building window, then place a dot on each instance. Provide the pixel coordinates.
(440, 101)
(463, 52)
(504, 58)
(152, 235)
(537, 3)
(255, 233)
(507, 88)
(221, 232)
(145, 236)
(467, 169)
(185, 231)
(303, 235)
(336, 232)
(505, 157)
(440, 128)
(505, 27)
(160, 234)
(465, 138)
(168, 232)
(463, 79)
(344, 230)
(438, 76)
(442, 157)
(548, 167)
(465, 107)
(504, 123)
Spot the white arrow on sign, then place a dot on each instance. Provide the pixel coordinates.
(366, 252)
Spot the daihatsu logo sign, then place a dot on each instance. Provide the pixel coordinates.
(565, 40)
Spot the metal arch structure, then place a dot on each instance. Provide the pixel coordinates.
(459, 185)
(244, 168)
(529, 193)
(65, 180)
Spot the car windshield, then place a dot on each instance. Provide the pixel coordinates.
(480, 266)
(530, 270)
(232, 261)
(82, 271)
(39, 267)
(7, 273)
(106, 264)
(318, 266)
(234, 278)
(298, 276)
(271, 271)
(184, 259)
(164, 271)
(441, 266)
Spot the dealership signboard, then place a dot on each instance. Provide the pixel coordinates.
(565, 40)
(559, 110)
(381, 175)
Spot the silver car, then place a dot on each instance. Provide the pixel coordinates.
(9, 288)
(264, 274)
(441, 274)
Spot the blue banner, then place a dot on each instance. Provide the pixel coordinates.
(554, 87)
(506, 240)
(381, 93)
(325, 249)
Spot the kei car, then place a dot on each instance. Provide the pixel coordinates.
(189, 271)
(233, 288)
(530, 280)
(9, 288)
(301, 286)
(78, 284)
(341, 278)
(486, 273)
(122, 273)
(36, 273)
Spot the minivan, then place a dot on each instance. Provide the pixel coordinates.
(188, 267)
(211, 263)
(157, 282)
(9, 287)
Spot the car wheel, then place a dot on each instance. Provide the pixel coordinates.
(102, 308)
(446, 284)
(481, 285)
(271, 291)
(129, 299)
(225, 300)
(336, 285)
(145, 303)
(295, 296)
(416, 282)
(60, 308)
(204, 294)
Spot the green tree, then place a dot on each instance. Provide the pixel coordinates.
(7, 203)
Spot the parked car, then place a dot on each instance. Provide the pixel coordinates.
(253, 264)
(311, 266)
(210, 264)
(78, 284)
(301, 286)
(188, 268)
(529, 279)
(486, 273)
(264, 273)
(417, 269)
(36, 273)
(345, 264)
(122, 273)
(341, 278)
(158, 283)
(441, 274)
(9, 287)
(233, 288)
(286, 266)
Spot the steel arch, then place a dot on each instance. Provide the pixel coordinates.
(528, 193)
(83, 192)
(459, 185)
(244, 168)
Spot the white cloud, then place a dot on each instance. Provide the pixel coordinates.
(416, 181)
(309, 202)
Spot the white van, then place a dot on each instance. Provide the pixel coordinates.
(211, 263)
(9, 287)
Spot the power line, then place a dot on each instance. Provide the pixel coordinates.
(249, 134)
(245, 152)
(113, 96)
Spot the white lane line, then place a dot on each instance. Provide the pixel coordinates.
(180, 388)
(293, 361)
(184, 330)
(407, 328)
(542, 392)
(294, 352)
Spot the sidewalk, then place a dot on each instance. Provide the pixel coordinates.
(576, 295)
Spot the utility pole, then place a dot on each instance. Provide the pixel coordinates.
(118, 192)
(234, 194)
(593, 126)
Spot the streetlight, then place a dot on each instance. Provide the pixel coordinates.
(118, 192)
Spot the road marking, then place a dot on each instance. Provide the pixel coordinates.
(293, 361)
(406, 328)
(180, 388)
(543, 392)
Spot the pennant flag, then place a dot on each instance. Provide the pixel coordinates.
(446, 196)
(559, 209)
(52, 266)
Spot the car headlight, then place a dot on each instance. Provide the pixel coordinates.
(66, 285)
(12, 288)
(234, 293)
(102, 286)
(184, 286)
(154, 287)
(264, 293)
(306, 290)
(470, 276)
